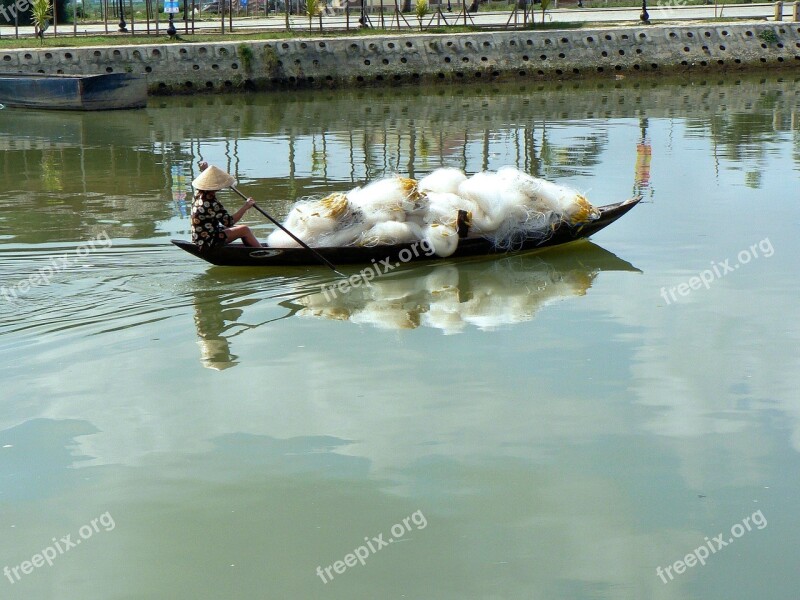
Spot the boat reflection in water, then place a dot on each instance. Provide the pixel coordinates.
(485, 293)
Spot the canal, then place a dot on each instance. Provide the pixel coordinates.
(615, 419)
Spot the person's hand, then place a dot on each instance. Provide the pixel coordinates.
(202, 165)
(250, 203)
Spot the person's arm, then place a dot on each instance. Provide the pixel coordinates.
(237, 216)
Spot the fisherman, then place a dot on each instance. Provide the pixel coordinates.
(211, 224)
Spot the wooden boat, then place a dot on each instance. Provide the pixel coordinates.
(110, 91)
(242, 256)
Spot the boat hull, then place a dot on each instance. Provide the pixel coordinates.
(242, 256)
(113, 91)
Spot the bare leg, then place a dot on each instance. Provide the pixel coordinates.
(242, 232)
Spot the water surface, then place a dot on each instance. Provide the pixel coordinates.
(566, 422)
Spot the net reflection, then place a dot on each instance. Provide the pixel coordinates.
(483, 294)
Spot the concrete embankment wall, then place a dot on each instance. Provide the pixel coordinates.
(398, 58)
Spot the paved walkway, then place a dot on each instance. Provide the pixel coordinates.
(664, 10)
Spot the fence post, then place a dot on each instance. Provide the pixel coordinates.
(796, 11)
(779, 10)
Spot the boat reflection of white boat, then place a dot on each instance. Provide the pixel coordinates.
(484, 293)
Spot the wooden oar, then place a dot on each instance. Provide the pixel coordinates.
(324, 260)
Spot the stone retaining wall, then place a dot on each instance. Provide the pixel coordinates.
(396, 59)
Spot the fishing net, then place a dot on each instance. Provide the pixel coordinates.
(508, 207)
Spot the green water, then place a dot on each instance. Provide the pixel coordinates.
(554, 425)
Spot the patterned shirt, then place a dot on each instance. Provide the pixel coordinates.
(209, 221)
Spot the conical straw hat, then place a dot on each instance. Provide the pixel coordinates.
(213, 179)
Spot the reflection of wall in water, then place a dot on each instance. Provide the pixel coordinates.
(339, 139)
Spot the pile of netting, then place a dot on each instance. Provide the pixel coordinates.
(507, 207)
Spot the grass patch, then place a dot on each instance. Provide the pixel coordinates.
(601, 4)
(64, 41)
(769, 36)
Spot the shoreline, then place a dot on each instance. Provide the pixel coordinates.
(420, 58)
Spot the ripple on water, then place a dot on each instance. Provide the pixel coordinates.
(119, 287)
